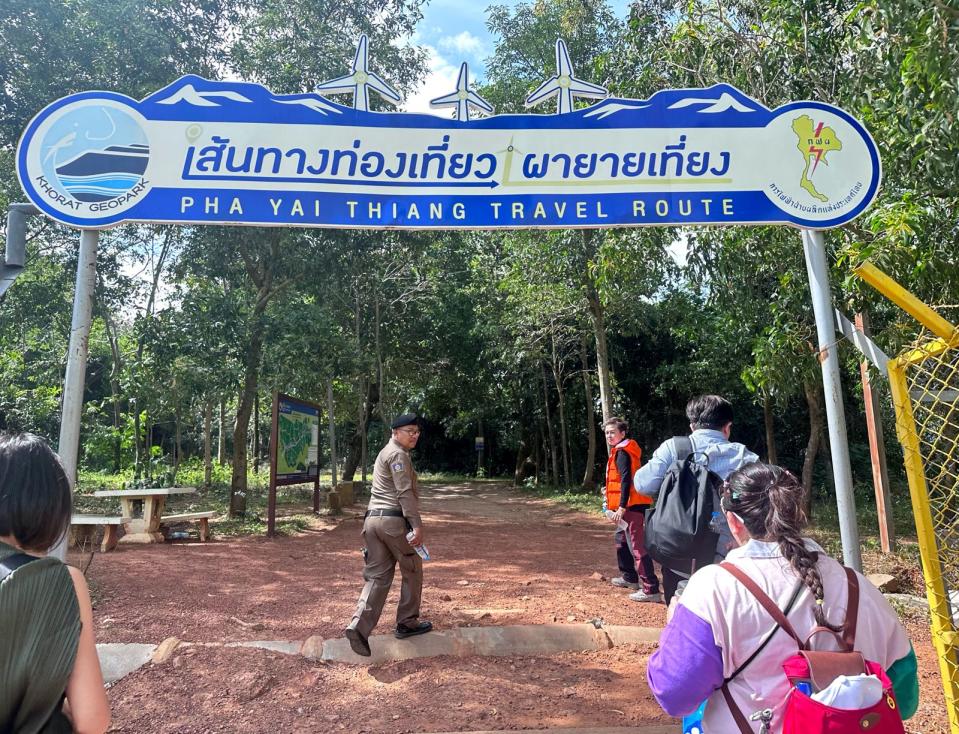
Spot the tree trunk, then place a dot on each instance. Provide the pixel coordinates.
(522, 460)
(368, 404)
(207, 443)
(589, 476)
(561, 399)
(598, 317)
(221, 435)
(380, 377)
(238, 483)
(256, 433)
(177, 443)
(551, 434)
(813, 392)
(137, 440)
(332, 430)
(771, 454)
(115, 388)
(537, 453)
(148, 446)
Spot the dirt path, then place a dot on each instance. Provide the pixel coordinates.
(499, 558)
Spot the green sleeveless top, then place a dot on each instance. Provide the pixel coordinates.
(39, 632)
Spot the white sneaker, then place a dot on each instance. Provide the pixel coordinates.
(656, 598)
(622, 583)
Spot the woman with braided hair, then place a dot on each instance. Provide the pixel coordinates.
(720, 633)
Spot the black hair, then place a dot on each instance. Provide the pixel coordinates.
(769, 499)
(35, 496)
(620, 424)
(709, 411)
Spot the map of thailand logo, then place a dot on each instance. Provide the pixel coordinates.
(96, 155)
(816, 141)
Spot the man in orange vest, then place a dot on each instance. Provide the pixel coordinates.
(626, 504)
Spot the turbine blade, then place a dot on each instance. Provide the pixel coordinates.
(462, 82)
(361, 60)
(475, 99)
(543, 91)
(338, 84)
(585, 89)
(383, 88)
(563, 64)
(446, 99)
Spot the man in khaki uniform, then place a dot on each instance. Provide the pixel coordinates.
(393, 511)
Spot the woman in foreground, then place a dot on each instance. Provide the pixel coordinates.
(50, 678)
(721, 633)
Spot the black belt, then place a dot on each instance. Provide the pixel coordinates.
(384, 513)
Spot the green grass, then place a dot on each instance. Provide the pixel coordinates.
(591, 502)
(290, 500)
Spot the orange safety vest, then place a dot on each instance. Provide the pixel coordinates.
(614, 481)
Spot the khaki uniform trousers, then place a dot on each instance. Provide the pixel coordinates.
(386, 545)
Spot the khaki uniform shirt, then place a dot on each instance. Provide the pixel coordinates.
(394, 483)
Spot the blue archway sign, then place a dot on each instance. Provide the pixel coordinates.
(208, 152)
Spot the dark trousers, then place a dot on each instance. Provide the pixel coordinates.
(624, 558)
(671, 580)
(636, 529)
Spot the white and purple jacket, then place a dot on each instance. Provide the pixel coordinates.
(719, 624)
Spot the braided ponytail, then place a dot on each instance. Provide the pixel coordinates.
(769, 500)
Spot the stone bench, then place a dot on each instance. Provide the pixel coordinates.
(202, 518)
(83, 526)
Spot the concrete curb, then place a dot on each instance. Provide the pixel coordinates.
(120, 659)
(528, 639)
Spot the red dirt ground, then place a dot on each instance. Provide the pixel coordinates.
(523, 561)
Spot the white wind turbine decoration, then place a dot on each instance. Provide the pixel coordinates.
(360, 81)
(463, 97)
(563, 85)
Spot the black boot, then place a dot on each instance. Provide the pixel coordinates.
(359, 643)
(402, 631)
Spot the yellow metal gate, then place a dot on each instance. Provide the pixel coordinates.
(924, 381)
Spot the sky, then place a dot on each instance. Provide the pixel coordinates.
(454, 31)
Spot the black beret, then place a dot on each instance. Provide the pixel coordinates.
(407, 419)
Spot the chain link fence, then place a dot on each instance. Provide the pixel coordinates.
(925, 390)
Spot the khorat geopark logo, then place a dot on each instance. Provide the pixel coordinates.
(201, 151)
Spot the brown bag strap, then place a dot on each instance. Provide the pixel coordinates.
(738, 716)
(768, 604)
(852, 610)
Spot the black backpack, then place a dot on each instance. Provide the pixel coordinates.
(677, 528)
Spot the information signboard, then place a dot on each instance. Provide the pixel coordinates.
(294, 449)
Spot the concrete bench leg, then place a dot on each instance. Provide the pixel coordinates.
(111, 535)
(204, 529)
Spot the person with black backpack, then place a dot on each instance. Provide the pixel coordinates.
(685, 530)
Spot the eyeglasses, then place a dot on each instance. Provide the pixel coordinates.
(411, 431)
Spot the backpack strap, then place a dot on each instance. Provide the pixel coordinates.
(12, 562)
(852, 610)
(776, 613)
(789, 606)
(682, 447)
(768, 604)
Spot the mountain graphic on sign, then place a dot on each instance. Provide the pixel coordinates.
(194, 99)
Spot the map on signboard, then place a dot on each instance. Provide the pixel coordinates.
(298, 439)
(816, 141)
